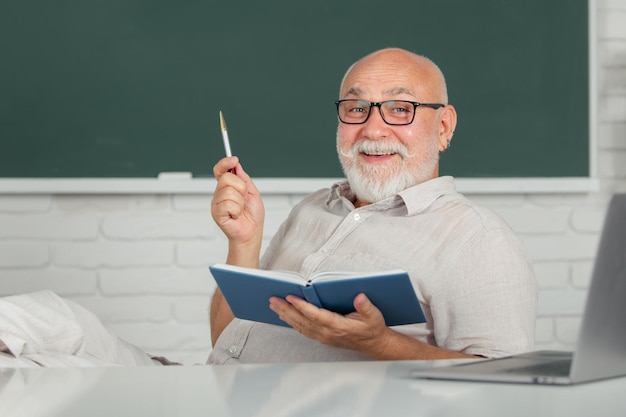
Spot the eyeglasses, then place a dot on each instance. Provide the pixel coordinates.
(393, 112)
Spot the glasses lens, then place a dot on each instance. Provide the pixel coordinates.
(353, 111)
(397, 112)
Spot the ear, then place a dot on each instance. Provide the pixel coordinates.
(447, 124)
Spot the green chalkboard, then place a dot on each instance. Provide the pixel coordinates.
(131, 88)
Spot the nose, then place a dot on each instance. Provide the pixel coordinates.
(375, 126)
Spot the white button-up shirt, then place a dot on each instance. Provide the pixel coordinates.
(469, 270)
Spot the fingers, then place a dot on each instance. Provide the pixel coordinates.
(295, 311)
(309, 320)
(230, 165)
(229, 172)
(228, 202)
(225, 165)
(231, 190)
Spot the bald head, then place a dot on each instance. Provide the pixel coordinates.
(430, 79)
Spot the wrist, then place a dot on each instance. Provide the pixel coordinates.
(382, 347)
(244, 254)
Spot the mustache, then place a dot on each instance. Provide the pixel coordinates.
(377, 147)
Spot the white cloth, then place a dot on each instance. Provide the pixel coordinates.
(43, 329)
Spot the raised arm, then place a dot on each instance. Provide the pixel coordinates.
(238, 210)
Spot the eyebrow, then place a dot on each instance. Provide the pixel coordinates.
(356, 91)
(399, 90)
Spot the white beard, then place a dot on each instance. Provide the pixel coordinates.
(374, 183)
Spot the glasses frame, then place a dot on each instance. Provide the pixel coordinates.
(380, 110)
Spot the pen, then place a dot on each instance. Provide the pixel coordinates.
(225, 138)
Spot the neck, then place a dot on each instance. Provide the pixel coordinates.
(435, 172)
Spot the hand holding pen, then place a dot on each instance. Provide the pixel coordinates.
(238, 210)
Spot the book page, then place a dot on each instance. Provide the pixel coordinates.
(287, 276)
(342, 275)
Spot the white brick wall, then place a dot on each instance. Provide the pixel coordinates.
(139, 261)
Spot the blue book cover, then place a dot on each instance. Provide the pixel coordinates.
(248, 291)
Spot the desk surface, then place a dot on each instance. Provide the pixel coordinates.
(329, 389)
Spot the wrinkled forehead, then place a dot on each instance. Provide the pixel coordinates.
(391, 76)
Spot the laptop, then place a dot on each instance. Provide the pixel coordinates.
(600, 352)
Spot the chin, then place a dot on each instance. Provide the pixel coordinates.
(376, 186)
(376, 182)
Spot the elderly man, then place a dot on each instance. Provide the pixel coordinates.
(470, 272)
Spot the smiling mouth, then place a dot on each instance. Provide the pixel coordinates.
(379, 154)
(378, 149)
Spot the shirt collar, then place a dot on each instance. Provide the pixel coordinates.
(420, 197)
(416, 199)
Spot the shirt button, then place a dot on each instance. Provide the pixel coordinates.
(232, 350)
(357, 217)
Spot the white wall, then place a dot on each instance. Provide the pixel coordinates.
(139, 261)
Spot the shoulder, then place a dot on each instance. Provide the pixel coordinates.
(467, 213)
(477, 231)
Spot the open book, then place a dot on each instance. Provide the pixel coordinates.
(248, 291)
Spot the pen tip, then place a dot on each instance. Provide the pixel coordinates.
(222, 122)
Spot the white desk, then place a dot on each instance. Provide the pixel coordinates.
(329, 389)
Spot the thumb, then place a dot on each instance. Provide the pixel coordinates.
(364, 306)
